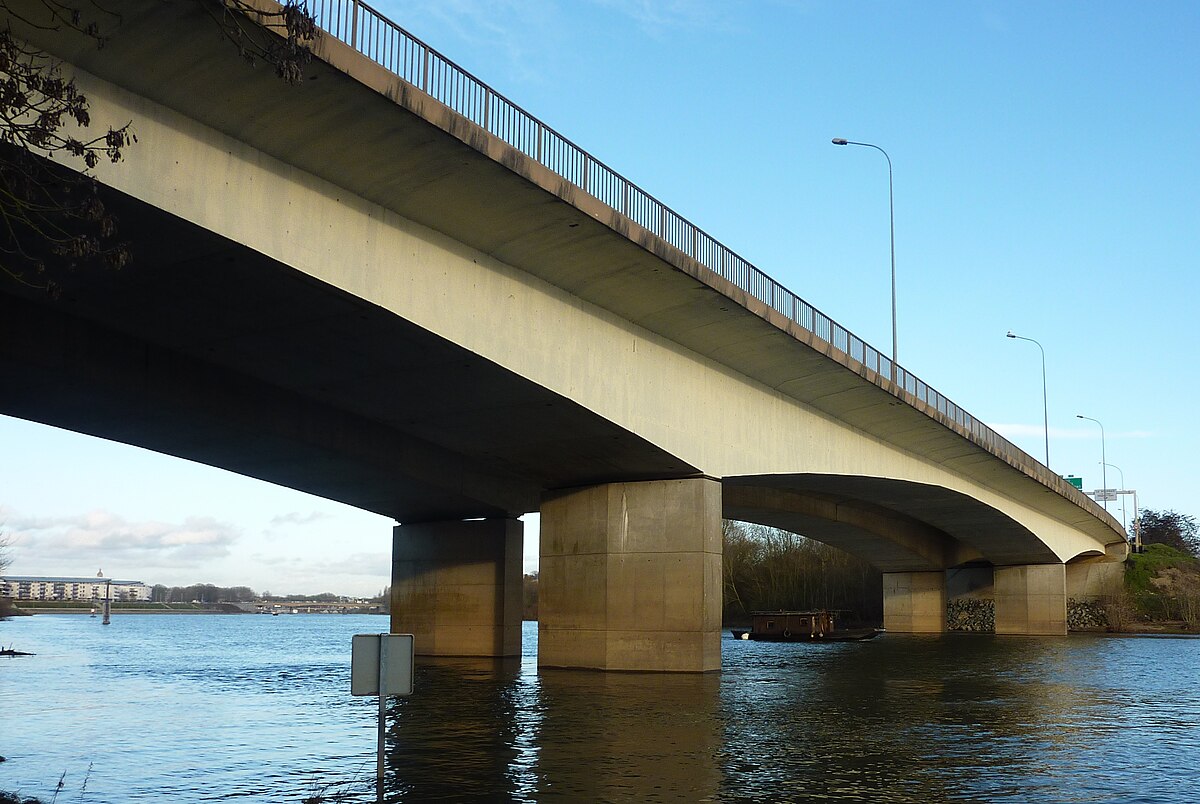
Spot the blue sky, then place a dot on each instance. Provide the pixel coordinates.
(1047, 181)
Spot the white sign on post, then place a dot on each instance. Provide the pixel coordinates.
(386, 656)
(381, 664)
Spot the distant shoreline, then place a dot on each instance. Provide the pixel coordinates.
(118, 611)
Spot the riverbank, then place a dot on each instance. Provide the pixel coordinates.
(72, 607)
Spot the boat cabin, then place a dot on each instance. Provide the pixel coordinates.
(791, 624)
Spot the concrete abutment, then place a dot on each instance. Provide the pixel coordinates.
(456, 586)
(630, 577)
(1025, 599)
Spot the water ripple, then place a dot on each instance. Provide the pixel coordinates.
(250, 709)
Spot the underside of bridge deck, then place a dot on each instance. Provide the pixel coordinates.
(207, 350)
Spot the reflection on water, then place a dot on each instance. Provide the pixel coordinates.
(258, 709)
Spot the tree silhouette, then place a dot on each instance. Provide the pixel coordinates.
(52, 218)
(1170, 528)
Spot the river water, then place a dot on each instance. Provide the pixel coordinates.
(160, 708)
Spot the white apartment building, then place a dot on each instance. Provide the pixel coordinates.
(28, 587)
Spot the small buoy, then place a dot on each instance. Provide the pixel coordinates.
(745, 635)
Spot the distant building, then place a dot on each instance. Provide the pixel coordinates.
(28, 587)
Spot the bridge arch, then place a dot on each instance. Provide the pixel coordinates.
(897, 525)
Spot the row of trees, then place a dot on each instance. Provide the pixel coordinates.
(1163, 582)
(203, 592)
(1175, 530)
(766, 569)
(209, 593)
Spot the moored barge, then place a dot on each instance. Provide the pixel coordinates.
(800, 626)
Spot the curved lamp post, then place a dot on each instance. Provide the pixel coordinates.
(1045, 409)
(1103, 458)
(892, 218)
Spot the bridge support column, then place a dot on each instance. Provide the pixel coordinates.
(630, 577)
(1031, 599)
(914, 602)
(456, 587)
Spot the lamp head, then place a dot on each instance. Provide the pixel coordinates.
(1080, 416)
(1010, 334)
(839, 141)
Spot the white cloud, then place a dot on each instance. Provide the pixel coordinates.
(371, 564)
(297, 518)
(101, 537)
(356, 574)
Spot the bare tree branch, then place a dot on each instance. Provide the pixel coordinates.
(53, 219)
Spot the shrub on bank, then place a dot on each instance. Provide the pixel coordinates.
(1164, 583)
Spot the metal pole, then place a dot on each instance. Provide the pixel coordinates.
(380, 745)
(1045, 407)
(1103, 457)
(1114, 466)
(107, 598)
(1137, 526)
(892, 226)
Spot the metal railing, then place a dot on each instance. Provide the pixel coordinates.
(370, 33)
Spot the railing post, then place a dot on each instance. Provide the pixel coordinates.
(539, 143)
(354, 25)
(425, 71)
(487, 107)
(586, 170)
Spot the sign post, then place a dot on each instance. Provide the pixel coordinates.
(381, 664)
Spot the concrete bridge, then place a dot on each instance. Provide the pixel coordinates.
(438, 309)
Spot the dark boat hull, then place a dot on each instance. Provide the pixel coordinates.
(847, 635)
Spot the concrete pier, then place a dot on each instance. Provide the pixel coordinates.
(914, 602)
(1031, 599)
(631, 577)
(456, 586)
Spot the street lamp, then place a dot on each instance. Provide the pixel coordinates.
(892, 218)
(1103, 457)
(1045, 409)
